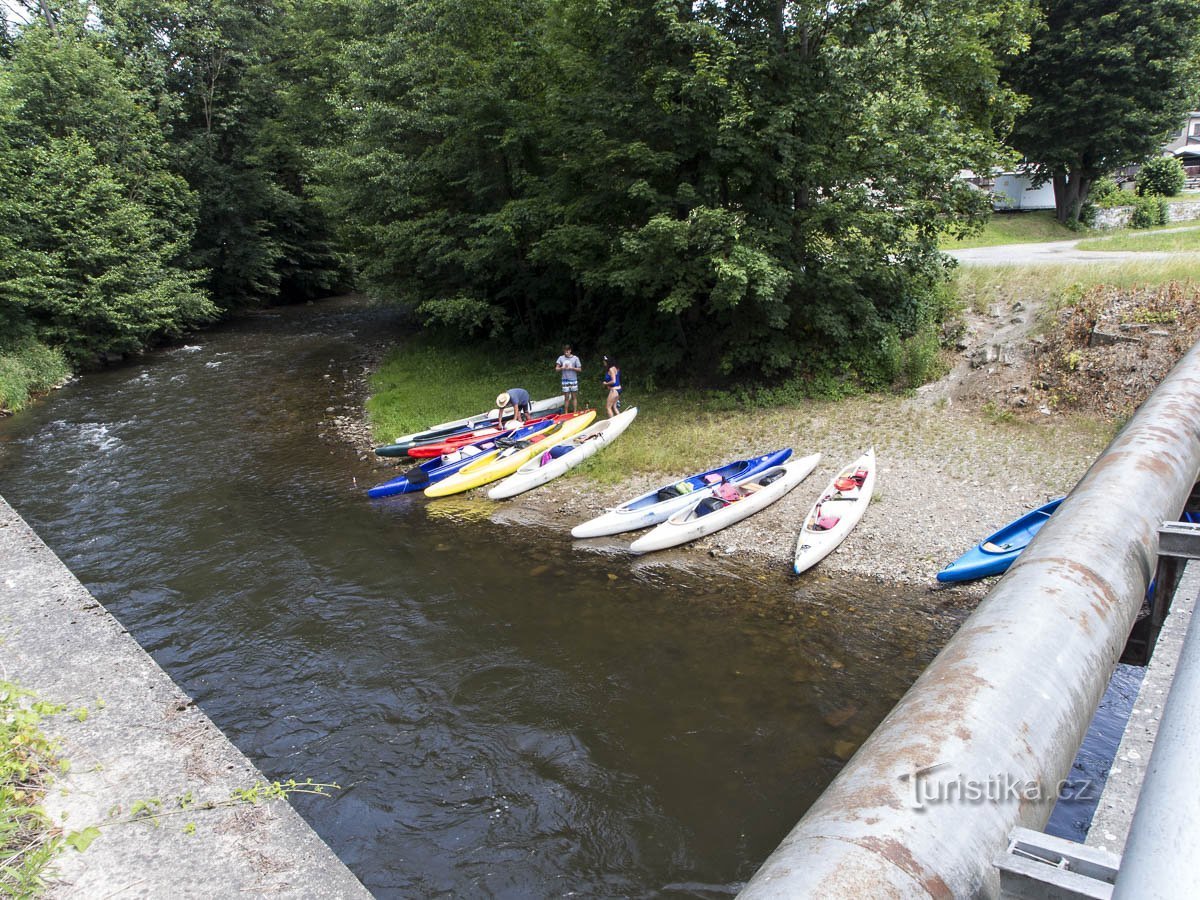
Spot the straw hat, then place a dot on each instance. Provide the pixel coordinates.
(502, 399)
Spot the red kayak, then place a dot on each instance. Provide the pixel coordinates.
(458, 441)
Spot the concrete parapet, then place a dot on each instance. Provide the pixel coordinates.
(142, 739)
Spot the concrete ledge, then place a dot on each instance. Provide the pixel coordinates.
(142, 739)
(1114, 811)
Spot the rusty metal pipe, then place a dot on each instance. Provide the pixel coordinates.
(980, 742)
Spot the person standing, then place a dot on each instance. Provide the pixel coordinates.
(518, 399)
(569, 367)
(612, 381)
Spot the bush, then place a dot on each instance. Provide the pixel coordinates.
(1148, 211)
(1106, 193)
(1163, 176)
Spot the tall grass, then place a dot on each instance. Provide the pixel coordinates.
(982, 286)
(27, 369)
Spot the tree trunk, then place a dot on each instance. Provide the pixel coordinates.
(1070, 193)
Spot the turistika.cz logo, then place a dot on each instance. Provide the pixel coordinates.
(929, 789)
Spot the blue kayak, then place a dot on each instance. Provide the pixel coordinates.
(997, 552)
(438, 467)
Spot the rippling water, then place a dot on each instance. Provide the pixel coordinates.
(508, 716)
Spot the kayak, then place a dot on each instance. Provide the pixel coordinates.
(994, 554)
(730, 504)
(495, 464)
(563, 457)
(404, 443)
(658, 505)
(452, 443)
(433, 470)
(842, 504)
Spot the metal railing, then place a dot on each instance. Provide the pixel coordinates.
(981, 741)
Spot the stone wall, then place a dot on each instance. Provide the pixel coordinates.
(1119, 216)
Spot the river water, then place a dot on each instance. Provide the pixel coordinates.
(506, 714)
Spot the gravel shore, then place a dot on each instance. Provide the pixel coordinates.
(948, 476)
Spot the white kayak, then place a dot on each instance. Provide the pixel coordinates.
(564, 456)
(657, 505)
(731, 503)
(843, 503)
(536, 408)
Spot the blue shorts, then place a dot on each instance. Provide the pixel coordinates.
(570, 387)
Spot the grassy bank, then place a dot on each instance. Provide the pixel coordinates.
(28, 369)
(28, 840)
(1177, 239)
(676, 431)
(981, 286)
(1014, 228)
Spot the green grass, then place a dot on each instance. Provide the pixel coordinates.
(28, 840)
(27, 369)
(1014, 228)
(425, 384)
(1177, 239)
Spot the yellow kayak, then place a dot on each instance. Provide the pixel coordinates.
(500, 463)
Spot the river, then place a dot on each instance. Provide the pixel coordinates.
(506, 714)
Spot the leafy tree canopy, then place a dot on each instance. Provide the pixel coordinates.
(718, 188)
(92, 221)
(1107, 81)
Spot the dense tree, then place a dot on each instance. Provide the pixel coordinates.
(220, 70)
(1107, 81)
(93, 224)
(751, 187)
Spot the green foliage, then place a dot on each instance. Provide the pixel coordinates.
(28, 840)
(1141, 62)
(1162, 175)
(225, 78)
(92, 221)
(709, 190)
(1105, 191)
(464, 315)
(1149, 210)
(28, 368)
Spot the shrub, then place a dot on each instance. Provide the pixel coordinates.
(1148, 211)
(1104, 189)
(1163, 176)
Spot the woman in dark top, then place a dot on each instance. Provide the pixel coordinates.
(612, 381)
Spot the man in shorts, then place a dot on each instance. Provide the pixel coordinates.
(518, 399)
(569, 366)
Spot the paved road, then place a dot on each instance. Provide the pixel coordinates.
(1052, 252)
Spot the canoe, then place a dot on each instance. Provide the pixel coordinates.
(995, 553)
(563, 457)
(432, 471)
(495, 464)
(841, 505)
(452, 443)
(404, 443)
(659, 504)
(711, 514)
